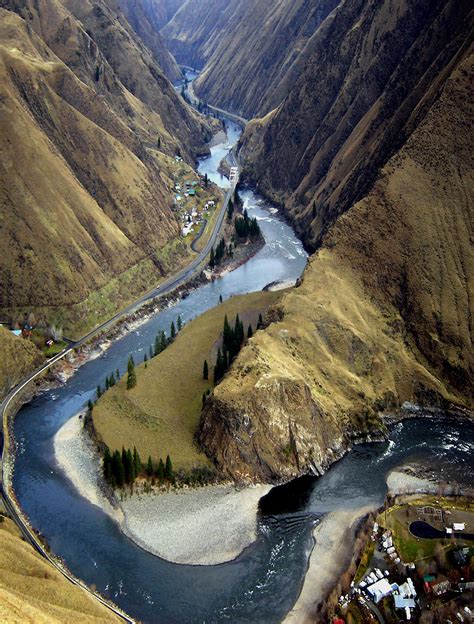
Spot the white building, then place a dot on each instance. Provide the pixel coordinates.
(380, 590)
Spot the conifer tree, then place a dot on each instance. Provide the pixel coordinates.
(145, 358)
(212, 259)
(163, 341)
(179, 323)
(118, 469)
(249, 332)
(112, 379)
(260, 321)
(205, 371)
(161, 470)
(99, 392)
(131, 378)
(117, 374)
(107, 465)
(137, 464)
(149, 468)
(220, 299)
(90, 405)
(168, 469)
(172, 331)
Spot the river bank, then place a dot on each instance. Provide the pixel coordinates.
(201, 526)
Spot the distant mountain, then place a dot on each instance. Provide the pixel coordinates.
(90, 127)
(371, 156)
(251, 50)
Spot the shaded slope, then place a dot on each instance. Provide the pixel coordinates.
(384, 313)
(251, 52)
(374, 70)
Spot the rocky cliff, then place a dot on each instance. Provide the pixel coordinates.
(89, 130)
(384, 311)
(251, 51)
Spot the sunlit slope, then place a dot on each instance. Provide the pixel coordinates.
(32, 591)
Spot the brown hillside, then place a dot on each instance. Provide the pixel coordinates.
(18, 357)
(32, 591)
(384, 314)
(374, 70)
(84, 194)
(251, 51)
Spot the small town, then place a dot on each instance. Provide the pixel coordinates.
(417, 566)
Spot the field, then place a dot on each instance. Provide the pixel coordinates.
(161, 414)
(31, 590)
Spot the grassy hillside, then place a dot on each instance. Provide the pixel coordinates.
(32, 591)
(18, 357)
(384, 313)
(161, 414)
(90, 128)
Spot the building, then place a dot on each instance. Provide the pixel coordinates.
(380, 590)
(459, 526)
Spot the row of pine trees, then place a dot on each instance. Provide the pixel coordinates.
(233, 339)
(123, 468)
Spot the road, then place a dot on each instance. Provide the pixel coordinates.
(166, 287)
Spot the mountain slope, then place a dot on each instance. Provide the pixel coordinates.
(383, 315)
(31, 590)
(374, 70)
(18, 357)
(251, 52)
(84, 193)
(144, 17)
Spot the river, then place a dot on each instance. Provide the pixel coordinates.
(262, 584)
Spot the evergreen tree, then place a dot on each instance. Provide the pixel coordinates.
(260, 321)
(90, 405)
(230, 209)
(112, 380)
(118, 469)
(107, 465)
(161, 470)
(145, 358)
(204, 397)
(151, 353)
(212, 259)
(131, 379)
(130, 363)
(206, 181)
(168, 469)
(249, 332)
(227, 334)
(107, 384)
(179, 323)
(149, 468)
(163, 341)
(172, 331)
(129, 467)
(137, 464)
(205, 371)
(99, 392)
(117, 375)
(220, 299)
(158, 143)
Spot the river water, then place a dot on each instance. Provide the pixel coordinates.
(262, 584)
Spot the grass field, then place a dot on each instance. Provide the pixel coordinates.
(161, 414)
(31, 590)
(18, 357)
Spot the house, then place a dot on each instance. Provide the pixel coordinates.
(440, 588)
(459, 526)
(191, 192)
(380, 590)
(403, 603)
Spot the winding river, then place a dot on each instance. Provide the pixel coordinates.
(262, 584)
